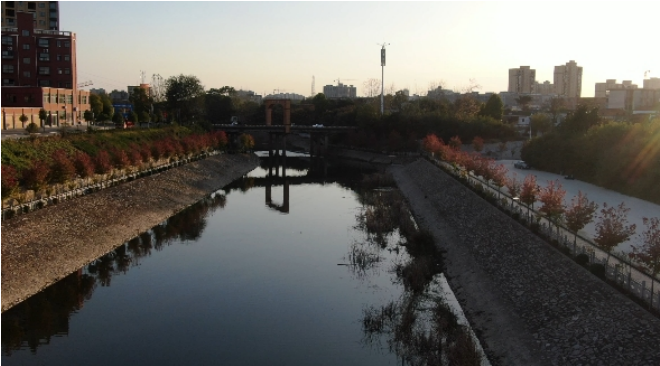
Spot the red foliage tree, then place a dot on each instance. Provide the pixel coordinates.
(552, 199)
(84, 164)
(120, 159)
(455, 143)
(9, 179)
(649, 253)
(145, 153)
(498, 176)
(432, 143)
(36, 176)
(135, 155)
(528, 192)
(478, 144)
(579, 213)
(62, 168)
(103, 162)
(611, 229)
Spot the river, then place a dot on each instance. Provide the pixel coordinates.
(268, 270)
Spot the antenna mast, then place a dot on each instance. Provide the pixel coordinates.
(382, 88)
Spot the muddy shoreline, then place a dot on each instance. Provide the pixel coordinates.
(44, 246)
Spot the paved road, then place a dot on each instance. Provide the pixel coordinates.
(638, 207)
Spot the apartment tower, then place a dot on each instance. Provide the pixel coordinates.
(568, 80)
(521, 80)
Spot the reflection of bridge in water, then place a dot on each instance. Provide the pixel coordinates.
(276, 166)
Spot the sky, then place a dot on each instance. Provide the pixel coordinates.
(268, 46)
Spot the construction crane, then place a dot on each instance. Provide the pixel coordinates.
(86, 83)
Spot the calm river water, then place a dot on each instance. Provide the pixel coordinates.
(259, 273)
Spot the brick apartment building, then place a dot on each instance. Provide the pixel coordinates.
(39, 71)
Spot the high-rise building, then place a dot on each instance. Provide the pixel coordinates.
(46, 14)
(36, 57)
(610, 84)
(340, 91)
(568, 80)
(544, 89)
(39, 71)
(652, 83)
(521, 80)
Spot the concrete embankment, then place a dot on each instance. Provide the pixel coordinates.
(530, 304)
(44, 246)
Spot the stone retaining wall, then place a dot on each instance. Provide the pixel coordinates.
(530, 304)
(44, 246)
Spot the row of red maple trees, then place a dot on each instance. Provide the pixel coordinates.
(612, 227)
(64, 166)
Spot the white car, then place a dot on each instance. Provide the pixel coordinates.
(521, 165)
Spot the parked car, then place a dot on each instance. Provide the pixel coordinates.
(570, 177)
(521, 165)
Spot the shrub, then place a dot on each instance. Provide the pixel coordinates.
(582, 259)
(9, 180)
(35, 177)
(145, 152)
(84, 164)
(135, 155)
(120, 159)
(63, 168)
(103, 162)
(32, 128)
(598, 270)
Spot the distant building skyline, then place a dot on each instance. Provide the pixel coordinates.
(568, 80)
(521, 80)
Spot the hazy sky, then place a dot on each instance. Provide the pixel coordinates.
(262, 46)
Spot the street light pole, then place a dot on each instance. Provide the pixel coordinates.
(382, 79)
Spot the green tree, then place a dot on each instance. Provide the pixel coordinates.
(185, 97)
(493, 108)
(88, 116)
(133, 117)
(523, 102)
(580, 121)
(320, 103)
(140, 100)
(219, 105)
(541, 123)
(96, 103)
(118, 119)
(42, 117)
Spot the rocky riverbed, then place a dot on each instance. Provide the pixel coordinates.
(530, 304)
(44, 246)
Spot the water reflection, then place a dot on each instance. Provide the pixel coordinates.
(33, 322)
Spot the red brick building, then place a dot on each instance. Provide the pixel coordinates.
(39, 71)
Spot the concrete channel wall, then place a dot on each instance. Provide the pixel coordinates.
(529, 303)
(45, 245)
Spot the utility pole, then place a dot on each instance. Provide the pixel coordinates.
(382, 79)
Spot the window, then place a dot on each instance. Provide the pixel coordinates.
(26, 60)
(10, 12)
(53, 24)
(59, 71)
(28, 98)
(44, 70)
(42, 14)
(44, 82)
(32, 5)
(9, 4)
(7, 40)
(10, 21)
(41, 22)
(26, 46)
(67, 58)
(52, 5)
(67, 71)
(8, 82)
(59, 43)
(67, 44)
(26, 74)
(41, 5)
(43, 42)
(25, 33)
(7, 69)
(60, 97)
(44, 57)
(69, 97)
(7, 54)
(59, 57)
